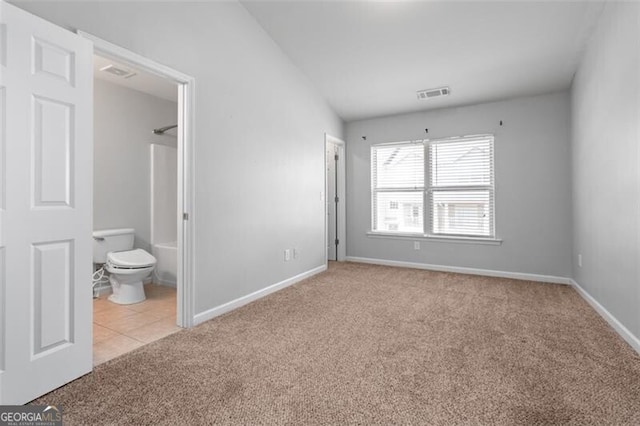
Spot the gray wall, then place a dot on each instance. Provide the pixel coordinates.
(532, 176)
(606, 179)
(259, 132)
(123, 120)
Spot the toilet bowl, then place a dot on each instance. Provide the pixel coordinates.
(127, 269)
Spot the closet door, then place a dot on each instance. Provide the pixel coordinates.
(332, 203)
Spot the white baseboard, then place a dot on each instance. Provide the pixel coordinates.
(463, 270)
(241, 301)
(165, 283)
(613, 321)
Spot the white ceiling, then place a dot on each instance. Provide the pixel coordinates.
(143, 81)
(369, 58)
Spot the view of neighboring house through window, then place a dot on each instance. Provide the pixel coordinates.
(452, 177)
(397, 174)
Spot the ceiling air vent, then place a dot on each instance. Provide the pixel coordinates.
(119, 72)
(432, 93)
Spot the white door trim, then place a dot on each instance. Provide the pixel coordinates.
(342, 205)
(186, 138)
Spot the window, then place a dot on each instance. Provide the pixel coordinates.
(397, 174)
(453, 178)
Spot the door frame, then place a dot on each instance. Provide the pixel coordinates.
(186, 139)
(341, 252)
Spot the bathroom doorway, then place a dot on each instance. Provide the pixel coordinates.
(142, 168)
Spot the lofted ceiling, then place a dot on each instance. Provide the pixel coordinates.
(368, 59)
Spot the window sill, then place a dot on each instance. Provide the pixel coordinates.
(432, 238)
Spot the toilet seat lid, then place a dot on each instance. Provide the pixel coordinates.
(137, 258)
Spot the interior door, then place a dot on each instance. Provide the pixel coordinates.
(332, 219)
(46, 167)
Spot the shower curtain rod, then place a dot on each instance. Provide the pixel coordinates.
(161, 130)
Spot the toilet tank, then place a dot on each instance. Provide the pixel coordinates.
(108, 240)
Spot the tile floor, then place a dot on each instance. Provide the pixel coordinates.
(118, 329)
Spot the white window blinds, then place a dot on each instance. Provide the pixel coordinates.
(397, 176)
(461, 187)
(453, 178)
(399, 166)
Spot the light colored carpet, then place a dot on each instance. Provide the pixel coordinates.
(364, 344)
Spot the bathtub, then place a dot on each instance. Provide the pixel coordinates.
(166, 270)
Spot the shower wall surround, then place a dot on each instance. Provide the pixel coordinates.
(164, 211)
(123, 124)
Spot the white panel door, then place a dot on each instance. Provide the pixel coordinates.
(46, 112)
(332, 219)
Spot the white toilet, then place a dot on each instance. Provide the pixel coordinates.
(127, 266)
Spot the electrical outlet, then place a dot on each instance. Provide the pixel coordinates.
(295, 253)
(416, 245)
(287, 255)
(580, 260)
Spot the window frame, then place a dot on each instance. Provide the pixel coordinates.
(427, 195)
